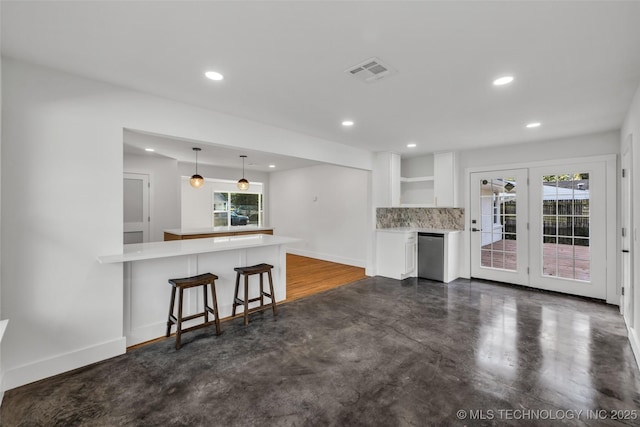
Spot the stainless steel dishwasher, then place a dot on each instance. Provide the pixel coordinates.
(431, 256)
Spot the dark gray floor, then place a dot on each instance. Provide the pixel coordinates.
(378, 352)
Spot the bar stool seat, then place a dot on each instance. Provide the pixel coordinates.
(250, 271)
(186, 283)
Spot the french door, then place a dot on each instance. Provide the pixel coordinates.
(568, 229)
(543, 227)
(499, 215)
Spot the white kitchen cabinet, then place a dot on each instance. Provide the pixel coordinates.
(429, 181)
(396, 254)
(386, 180)
(445, 179)
(416, 181)
(417, 191)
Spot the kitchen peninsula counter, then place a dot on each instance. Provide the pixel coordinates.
(153, 250)
(149, 266)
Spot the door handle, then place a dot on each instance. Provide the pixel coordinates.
(625, 251)
(475, 229)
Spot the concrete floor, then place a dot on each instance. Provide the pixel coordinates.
(378, 352)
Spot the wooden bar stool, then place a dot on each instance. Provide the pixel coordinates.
(190, 282)
(246, 272)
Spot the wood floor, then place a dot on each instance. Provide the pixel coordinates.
(308, 276)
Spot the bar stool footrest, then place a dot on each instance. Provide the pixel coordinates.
(201, 325)
(259, 308)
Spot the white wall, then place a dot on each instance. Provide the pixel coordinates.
(417, 166)
(631, 126)
(508, 156)
(1, 367)
(327, 207)
(196, 203)
(164, 191)
(566, 148)
(62, 201)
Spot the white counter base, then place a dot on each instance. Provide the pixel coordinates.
(149, 266)
(397, 252)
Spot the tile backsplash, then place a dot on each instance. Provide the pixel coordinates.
(436, 218)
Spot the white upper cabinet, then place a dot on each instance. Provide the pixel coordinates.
(386, 180)
(445, 180)
(429, 181)
(416, 181)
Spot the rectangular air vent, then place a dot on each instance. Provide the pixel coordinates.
(371, 70)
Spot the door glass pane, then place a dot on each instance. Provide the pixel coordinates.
(486, 258)
(565, 226)
(499, 218)
(133, 200)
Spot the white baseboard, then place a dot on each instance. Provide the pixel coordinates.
(3, 328)
(635, 344)
(327, 257)
(41, 369)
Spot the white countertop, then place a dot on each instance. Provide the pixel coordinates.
(153, 250)
(417, 230)
(211, 230)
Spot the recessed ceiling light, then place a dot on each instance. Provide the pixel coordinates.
(214, 75)
(347, 123)
(412, 145)
(533, 125)
(504, 80)
(272, 166)
(149, 149)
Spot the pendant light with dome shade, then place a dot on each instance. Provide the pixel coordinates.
(196, 180)
(243, 184)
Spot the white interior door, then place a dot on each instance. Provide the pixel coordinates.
(499, 217)
(136, 208)
(626, 302)
(568, 228)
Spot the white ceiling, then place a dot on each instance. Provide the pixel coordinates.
(136, 142)
(576, 64)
